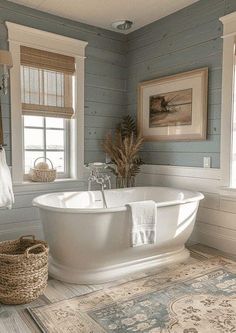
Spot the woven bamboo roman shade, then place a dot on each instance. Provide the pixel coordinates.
(46, 83)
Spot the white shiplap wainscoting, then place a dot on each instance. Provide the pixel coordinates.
(23, 218)
(216, 219)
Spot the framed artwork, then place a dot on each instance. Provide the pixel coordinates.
(174, 107)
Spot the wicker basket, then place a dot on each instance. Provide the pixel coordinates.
(23, 270)
(43, 175)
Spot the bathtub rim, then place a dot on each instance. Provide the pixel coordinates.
(197, 196)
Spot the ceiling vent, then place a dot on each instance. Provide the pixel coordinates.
(122, 25)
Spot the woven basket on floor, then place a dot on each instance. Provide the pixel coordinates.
(23, 270)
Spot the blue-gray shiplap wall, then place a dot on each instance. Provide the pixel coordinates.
(105, 72)
(185, 40)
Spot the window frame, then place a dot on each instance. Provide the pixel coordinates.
(227, 102)
(21, 35)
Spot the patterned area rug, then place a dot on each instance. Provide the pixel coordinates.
(196, 298)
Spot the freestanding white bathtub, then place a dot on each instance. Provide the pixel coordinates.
(91, 244)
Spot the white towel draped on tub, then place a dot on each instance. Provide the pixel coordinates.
(6, 192)
(144, 221)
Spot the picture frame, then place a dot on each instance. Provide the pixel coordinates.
(174, 108)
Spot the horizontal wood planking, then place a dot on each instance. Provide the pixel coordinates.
(179, 179)
(194, 36)
(19, 215)
(189, 17)
(179, 158)
(97, 67)
(97, 94)
(105, 66)
(191, 55)
(96, 132)
(23, 218)
(104, 109)
(210, 145)
(177, 147)
(104, 122)
(106, 56)
(230, 6)
(105, 82)
(185, 40)
(215, 225)
(15, 230)
(212, 62)
(218, 237)
(94, 156)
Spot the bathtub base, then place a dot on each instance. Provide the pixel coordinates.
(111, 273)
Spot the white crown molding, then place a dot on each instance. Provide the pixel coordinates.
(48, 41)
(229, 23)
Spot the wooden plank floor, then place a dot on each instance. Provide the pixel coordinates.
(15, 319)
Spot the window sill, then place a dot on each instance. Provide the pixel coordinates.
(58, 185)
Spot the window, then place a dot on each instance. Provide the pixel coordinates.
(228, 103)
(47, 106)
(48, 68)
(233, 153)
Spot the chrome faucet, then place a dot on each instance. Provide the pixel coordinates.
(98, 177)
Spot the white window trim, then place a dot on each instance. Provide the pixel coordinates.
(21, 35)
(227, 103)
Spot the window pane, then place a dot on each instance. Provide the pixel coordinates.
(33, 121)
(54, 122)
(55, 139)
(53, 88)
(30, 157)
(58, 160)
(33, 138)
(31, 85)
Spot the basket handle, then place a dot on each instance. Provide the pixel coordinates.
(27, 251)
(27, 236)
(45, 158)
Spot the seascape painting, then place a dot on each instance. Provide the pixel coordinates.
(174, 108)
(171, 109)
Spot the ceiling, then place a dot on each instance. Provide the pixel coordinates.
(102, 13)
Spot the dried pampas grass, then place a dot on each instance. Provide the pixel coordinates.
(123, 149)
